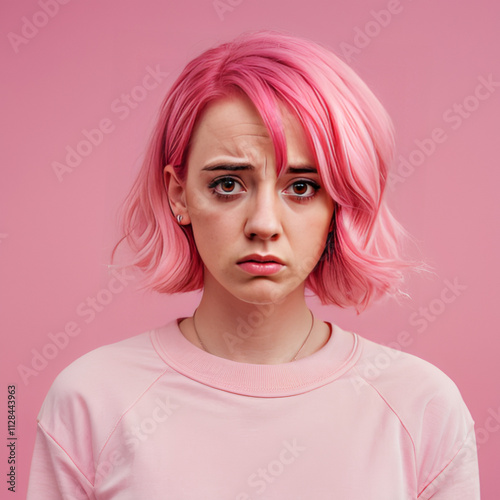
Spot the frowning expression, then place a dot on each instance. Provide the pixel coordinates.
(259, 235)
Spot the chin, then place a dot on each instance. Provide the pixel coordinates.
(264, 295)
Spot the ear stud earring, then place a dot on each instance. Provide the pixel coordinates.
(179, 218)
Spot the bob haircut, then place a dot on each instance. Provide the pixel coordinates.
(350, 135)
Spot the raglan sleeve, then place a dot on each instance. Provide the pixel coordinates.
(447, 451)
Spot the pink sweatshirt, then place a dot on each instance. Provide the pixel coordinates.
(154, 417)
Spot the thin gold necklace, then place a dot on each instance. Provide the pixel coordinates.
(293, 359)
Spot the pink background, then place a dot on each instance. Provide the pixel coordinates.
(424, 59)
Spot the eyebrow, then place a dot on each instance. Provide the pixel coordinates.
(301, 169)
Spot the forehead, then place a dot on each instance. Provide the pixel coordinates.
(232, 126)
(222, 115)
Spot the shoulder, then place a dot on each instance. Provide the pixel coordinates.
(93, 393)
(414, 389)
(392, 370)
(110, 377)
(431, 412)
(120, 362)
(427, 402)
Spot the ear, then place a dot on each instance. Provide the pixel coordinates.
(176, 194)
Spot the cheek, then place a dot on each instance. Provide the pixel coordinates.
(213, 230)
(314, 240)
(320, 219)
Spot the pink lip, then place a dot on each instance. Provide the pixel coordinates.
(260, 268)
(261, 265)
(260, 258)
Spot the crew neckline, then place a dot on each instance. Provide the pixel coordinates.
(338, 355)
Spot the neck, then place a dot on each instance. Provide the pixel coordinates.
(255, 333)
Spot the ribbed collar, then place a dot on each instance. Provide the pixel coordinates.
(337, 356)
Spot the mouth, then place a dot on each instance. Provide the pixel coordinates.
(261, 259)
(261, 265)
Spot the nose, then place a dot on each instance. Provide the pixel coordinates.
(263, 219)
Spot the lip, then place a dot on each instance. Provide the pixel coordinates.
(261, 265)
(260, 268)
(261, 259)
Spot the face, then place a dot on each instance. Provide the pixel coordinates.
(258, 235)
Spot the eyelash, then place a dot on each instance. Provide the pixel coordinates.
(301, 199)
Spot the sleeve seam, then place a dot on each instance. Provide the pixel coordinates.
(54, 440)
(138, 398)
(394, 412)
(471, 429)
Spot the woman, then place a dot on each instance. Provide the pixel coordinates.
(264, 177)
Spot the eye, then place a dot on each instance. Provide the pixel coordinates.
(302, 189)
(225, 186)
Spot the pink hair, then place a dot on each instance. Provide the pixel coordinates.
(351, 136)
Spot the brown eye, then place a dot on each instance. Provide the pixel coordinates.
(227, 185)
(300, 188)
